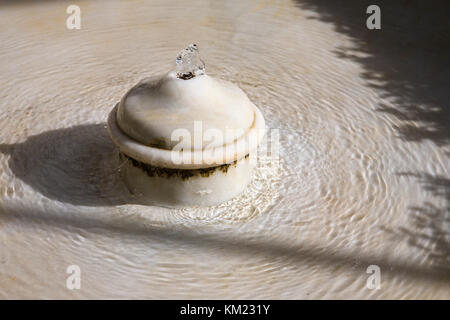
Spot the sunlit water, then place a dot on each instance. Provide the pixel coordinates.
(348, 191)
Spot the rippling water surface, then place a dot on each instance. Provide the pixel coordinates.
(363, 176)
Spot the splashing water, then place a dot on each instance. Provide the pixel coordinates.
(189, 64)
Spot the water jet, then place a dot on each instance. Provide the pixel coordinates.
(186, 138)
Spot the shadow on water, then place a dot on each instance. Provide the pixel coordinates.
(407, 63)
(304, 254)
(76, 165)
(429, 227)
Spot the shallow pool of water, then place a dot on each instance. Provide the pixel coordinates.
(363, 176)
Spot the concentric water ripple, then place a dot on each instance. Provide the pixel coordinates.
(346, 191)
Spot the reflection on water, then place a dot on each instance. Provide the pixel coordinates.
(363, 177)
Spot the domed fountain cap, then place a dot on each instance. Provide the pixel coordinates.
(153, 111)
(184, 110)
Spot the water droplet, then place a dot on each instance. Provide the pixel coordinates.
(189, 63)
